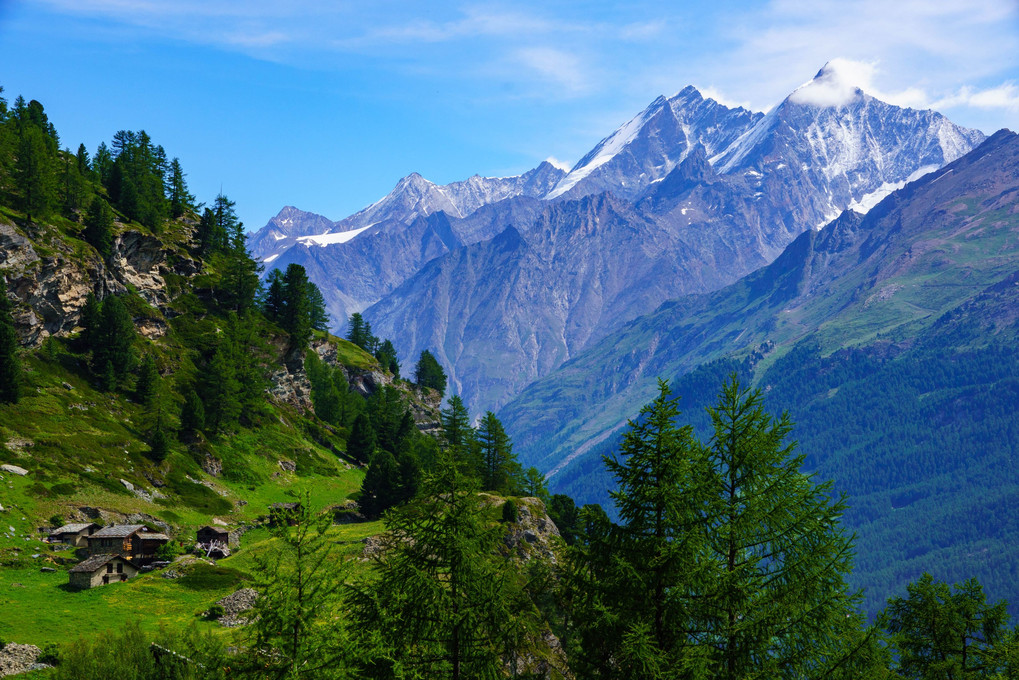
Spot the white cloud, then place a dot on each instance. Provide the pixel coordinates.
(1005, 96)
(555, 66)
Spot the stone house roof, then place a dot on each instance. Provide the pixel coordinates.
(94, 562)
(71, 529)
(150, 536)
(118, 531)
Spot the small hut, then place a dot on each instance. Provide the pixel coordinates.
(74, 535)
(99, 570)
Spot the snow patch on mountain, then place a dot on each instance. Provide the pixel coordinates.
(607, 148)
(331, 239)
(863, 204)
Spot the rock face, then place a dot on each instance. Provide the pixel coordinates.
(532, 535)
(50, 287)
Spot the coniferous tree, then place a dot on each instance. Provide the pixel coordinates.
(181, 201)
(147, 387)
(102, 164)
(535, 484)
(641, 571)
(192, 415)
(83, 161)
(359, 332)
(112, 356)
(361, 444)
(775, 599)
(159, 439)
(274, 302)
(386, 355)
(296, 319)
(458, 437)
(317, 314)
(380, 489)
(99, 227)
(441, 602)
(220, 391)
(33, 173)
(10, 364)
(89, 322)
(500, 470)
(945, 633)
(293, 634)
(208, 238)
(428, 373)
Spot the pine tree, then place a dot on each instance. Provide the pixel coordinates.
(535, 484)
(775, 600)
(192, 415)
(220, 391)
(428, 373)
(358, 331)
(294, 633)
(296, 319)
(440, 601)
(33, 173)
(361, 444)
(181, 201)
(99, 227)
(112, 342)
(147, 387)
(458, 437)
(159, 439)
(89, 322)
(10, 364)
(941, 632)
(274, 301)
(317, 314)
(102, 164)
(636, 623)
(386, 355)
(500, 469)
(380, 489)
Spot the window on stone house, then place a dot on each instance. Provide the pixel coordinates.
(120, 568)
(109, 568)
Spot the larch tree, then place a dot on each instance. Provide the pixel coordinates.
(440, 600)
(774, 602)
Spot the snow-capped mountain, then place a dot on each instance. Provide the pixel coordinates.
(413, 197)
(284, 229)
(655, 141)
(852, 148)
(702, 194)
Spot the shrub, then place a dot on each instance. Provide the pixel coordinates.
(215, 612)
(509, 511)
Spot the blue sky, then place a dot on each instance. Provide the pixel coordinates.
(325, 104)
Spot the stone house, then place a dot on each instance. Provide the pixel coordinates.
(133, 541)
(75, 535)
(99, 570)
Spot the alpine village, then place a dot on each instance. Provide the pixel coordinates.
(735, 396)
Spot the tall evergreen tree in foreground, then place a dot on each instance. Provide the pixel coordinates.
(10, 365)
(441, 602)
(640, 573)
(774, 602)
(294, 634)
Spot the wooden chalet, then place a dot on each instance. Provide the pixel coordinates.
(100, 570)
(75, 535)
(133, 541)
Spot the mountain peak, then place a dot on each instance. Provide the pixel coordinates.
(836, 84)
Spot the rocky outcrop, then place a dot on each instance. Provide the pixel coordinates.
(50, 277)
(236, 607)
(534, 534)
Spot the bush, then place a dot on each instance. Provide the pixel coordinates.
(56, 521)
(169, 551)
(509, 511)
(215, 612)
